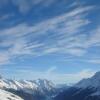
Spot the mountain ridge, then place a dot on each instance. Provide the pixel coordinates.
(86, 89)
(40, 89)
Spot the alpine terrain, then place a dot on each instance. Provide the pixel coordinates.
(86, 89)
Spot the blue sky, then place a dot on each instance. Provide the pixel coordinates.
(58, 40)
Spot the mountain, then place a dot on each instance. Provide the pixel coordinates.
(4, 95)
(28, 89)
(93, 82)
(28, 86)
(86, 89)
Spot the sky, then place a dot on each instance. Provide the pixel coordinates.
(58, 40)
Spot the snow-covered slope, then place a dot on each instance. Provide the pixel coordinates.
(93, 82)
(86, 89)
(4, 95)
(42, 86)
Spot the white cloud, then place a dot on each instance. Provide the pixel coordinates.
(94, 61)
(4, 58)
(76, 51)
(94, 39)
(60, 33)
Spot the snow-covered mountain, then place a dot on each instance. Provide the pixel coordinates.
(42, 86)
(93, 82)
(33, 89)
(86, 89)
(4, 95)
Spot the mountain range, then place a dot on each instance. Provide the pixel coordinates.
(29, 90)
(86, 89)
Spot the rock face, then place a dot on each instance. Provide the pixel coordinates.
(86, 89)
(4, 95)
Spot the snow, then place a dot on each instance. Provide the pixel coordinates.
(93, 82)
(27, 86)
(4, 95)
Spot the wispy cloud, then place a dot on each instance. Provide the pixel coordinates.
(57, 35)
(4, 58)
(51, 69)
(24, 6)
(94, 61)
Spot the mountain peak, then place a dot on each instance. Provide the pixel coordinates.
(97, 75)
(90, 82)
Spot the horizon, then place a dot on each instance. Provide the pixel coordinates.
(53, 40)
(68, 84)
